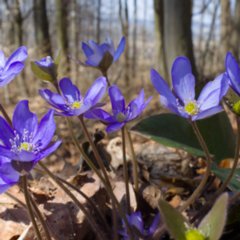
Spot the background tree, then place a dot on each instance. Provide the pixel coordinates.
(175, 30)
(41, 28)
(124, 19)
(226, 27)
(62, 34)
(161, 57)
(236, 29)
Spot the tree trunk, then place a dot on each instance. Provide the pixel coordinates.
(135, 41)
(41, 28)
(99, 21)
(161, 58)
(226, 27)
(19, 42)
(74, 31)
(62, 34)
(125, 30)
(177, 31)
(236, 30)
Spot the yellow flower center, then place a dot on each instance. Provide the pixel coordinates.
(25, 146)
(236, 107)
(191, 108)
(194, 234)
(120, 117)
(76, 104)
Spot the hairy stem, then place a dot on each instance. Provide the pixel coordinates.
(95, 151)
(125, 170)
(134, 160)
(89, 200)
(40, 218)
(29, 207)
(235, 163)
(115, 203)
(75, 200)
(203, 182)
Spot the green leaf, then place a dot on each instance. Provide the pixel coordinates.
(175, 131)
(213, 223)
(223, 173)
(40, 73)
(173, 219)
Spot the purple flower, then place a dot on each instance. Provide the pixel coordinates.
(46, 62)
(233, 72)
(135, 220)
(95, 53)
(120, 113)
(71, 102)
(8, 175)
(11, 67)
(27, 141)
(181, 100)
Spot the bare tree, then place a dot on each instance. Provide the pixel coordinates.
(158, 17)
(177, 31)
(99, 3)
(41, 27)
(124, 18)
(236, 29)
(226, 26)
(62, 34)
(17, 19)
(134, 40)
(74, 37)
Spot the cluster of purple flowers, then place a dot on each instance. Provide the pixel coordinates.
(24, 141)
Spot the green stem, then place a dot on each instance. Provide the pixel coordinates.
(29, 207)
(86, 158)
(89, 200)
(134, 160)
(16, 199)
(110, 193)
(95, 151)
(106, 183)
(125, 170)
(40, 218)
(235, 163)
(75, 200)
(202, 184)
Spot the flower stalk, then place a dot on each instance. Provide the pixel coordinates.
(95, 151)
(40, 218)
(134, 160)
(125, 171)
(75, 200)
(203, 182)
(235, 163)
(29, 207)
(115, 203)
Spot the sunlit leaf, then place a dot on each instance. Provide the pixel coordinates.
(213, 223)
(173, 219)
